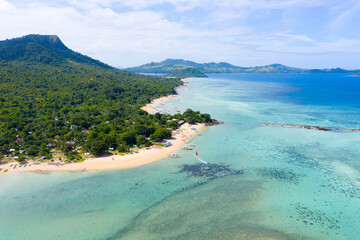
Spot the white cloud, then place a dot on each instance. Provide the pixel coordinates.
(284, 44)
(137, 4)
(270, 4)
(102, 33)
(5, 6)
(139, 35)
(296, 37)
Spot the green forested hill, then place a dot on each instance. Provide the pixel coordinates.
(54, 98)
(185, 73)
(45, 49)
(170, 65)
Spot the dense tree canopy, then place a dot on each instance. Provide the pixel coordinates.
(59, 99)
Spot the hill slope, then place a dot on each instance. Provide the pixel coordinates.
(185, 73)
(222, 67)
(46, 49)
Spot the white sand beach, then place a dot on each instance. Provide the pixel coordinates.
(151, 107)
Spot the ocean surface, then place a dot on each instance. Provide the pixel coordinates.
(260, 183)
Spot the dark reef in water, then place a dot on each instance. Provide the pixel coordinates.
(335, 181)
(279, 174)
(350, 191)
(311, 217)
(209, 171)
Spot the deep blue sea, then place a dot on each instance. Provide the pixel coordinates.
(260, 183)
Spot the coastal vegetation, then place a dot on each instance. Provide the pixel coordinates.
(185, 73)
(170, 65)
(55, 100)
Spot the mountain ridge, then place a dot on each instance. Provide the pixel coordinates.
(169, 65)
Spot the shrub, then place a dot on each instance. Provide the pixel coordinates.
(123, 148)
(98, 147)
(160, 134)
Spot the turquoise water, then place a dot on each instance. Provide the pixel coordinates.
(262, 182)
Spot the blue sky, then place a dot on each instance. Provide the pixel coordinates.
(124, 33)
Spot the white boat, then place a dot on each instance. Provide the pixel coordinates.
(174, 155)
(186, 147)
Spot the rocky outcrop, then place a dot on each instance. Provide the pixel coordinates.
(319, 128)
(296, 126)
(213, 123)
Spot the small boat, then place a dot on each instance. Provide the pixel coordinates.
(197, 156)
(187, 147)
(174, 155)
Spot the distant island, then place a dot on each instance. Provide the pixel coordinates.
(185, 73)
(170, 65)
(58, 104)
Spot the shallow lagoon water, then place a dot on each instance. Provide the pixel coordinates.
(261, 182)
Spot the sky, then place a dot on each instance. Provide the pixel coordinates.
(126, 33)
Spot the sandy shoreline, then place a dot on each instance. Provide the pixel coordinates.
(144, 156)
(150, 108)
(141, 157)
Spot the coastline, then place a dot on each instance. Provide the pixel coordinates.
(150, 107)
(134, 159)
(131, 160)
